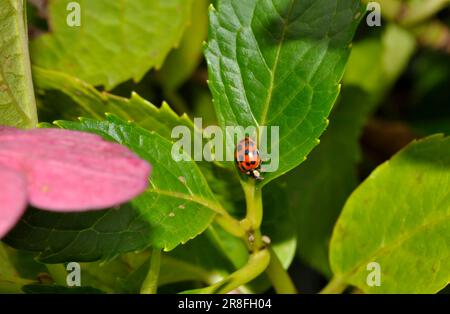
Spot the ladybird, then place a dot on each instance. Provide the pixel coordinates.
(247, 158)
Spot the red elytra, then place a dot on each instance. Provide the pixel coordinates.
(247, 158)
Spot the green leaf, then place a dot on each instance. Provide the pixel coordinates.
(329, 175)
(177, 207)
(7, 269)
(89, 102)
(10, 280)
(125, 41)
(178, 191)
(182, 62)
(25, 263)
(80, 237)
(17, 104)
(279, 63)
(399, 217)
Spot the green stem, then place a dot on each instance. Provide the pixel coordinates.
(150, 284)
(58, 273)
(335, 286)
(256, 265)
(252, 222)
(279, 277)
(253, 198)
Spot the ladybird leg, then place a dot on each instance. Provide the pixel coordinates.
(257, 175)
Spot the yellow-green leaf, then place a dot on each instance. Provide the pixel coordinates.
(115, 40)
(17, 104)
(399, 217)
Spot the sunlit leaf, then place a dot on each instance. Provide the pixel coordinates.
(114, 42)
(399, 217)
(17, 104)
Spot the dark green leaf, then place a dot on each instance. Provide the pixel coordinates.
(279, 63)
(80, 237)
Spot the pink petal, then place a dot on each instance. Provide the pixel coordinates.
(73, 171)
(13, 199)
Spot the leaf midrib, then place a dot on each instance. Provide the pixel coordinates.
(274, 67)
